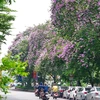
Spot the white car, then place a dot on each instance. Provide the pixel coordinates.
(73, 92)
(61, 90)
(81, 93)
(66, 93)
(94, 94)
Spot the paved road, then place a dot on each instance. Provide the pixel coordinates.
(19, 95)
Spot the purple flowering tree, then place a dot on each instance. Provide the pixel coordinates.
(52, 63)
(79, 22)
(71, 15)
(32, 45)
(37, 44)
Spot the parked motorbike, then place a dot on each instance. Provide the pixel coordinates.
(47, 96)
(55, 95)
(44, 96)
(36, 92)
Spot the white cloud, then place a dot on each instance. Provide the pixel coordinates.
(29, 12)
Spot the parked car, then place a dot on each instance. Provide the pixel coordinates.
(15, 84)
(66, 93)
(73, 92)
(82, 92)
(61, 91)
(94, 94)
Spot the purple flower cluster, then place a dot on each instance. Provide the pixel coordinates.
(38, 37)
(76, 12)
(67, 52)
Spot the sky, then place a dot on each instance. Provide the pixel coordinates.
(29, 13)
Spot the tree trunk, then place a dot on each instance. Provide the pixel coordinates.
(79, 83)
(54, 78)
(29, 80)
(91, 81)
(90, 73)
(91, 78)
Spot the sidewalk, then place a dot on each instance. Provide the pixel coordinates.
(19, 89)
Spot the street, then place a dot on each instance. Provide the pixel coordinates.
(19, 95)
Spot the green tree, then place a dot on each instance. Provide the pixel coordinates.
(5, 22)
(49, 67)
(31, 45)
(6, 1)
(12, 66)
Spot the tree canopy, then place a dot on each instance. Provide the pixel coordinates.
(12, 66)
(5, 21)
(79, 22)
